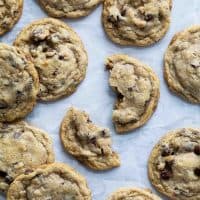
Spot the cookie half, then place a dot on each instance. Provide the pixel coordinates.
(22, 147)
(58, 55)
(138, 23)
(53, 181)
(87, 142)
(137, 89)
(69, 9)
(174, 164)
(10, 12)
(19, 84)
(182, 64)
(133, 194)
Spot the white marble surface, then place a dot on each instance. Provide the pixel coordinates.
(95, 96)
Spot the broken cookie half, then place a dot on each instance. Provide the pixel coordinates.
(87, 142)
(137, 88)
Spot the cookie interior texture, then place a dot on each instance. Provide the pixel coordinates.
(69, 9)
(182, 64)
(10, 12)
(138, 22)
(137, 89)
(174, 164)
(58, 55)
(22, 147)
(19, 84)
(133, 194)
(88, 142)
(54, 181)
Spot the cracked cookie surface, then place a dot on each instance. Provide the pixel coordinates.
(58, 55)
(87, 142)
(10, 12)
(54, 181)
(68, 8)
(182, 64)
(133, 194)
(22, 147)
(138, 22)
(174, 164)
(137, 89)
(19, 84)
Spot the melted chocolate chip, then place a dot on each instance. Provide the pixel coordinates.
(103, 133)
(148, 17)
(167, 172)
(3, 105)
(114, 21)
(197, 150)
(197, 172)
(123, 12)
(166, 152)
(61, 57)
(6, 177)
(93, 140)
(130, 89)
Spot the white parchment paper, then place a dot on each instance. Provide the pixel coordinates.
(95, 96)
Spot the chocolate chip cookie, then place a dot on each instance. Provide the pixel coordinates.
(137, 89)
(22, 147)
(54, 181)
(133, 194)
(174, 164)
(19, 84)
(87, 142)
(138, 22)
(10, 12)
(182, 64)
(58, 55)
(69, 9)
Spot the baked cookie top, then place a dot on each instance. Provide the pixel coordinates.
(88, 142)
(133, 194)
(68, 8)
(138, 22)
(19, 84)
(174, 164)
(137, 89)
(10, 12)
(58, 55)
(54, 181)
(22, 147)
(182, 64)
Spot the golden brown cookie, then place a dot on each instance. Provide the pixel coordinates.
(182, 64)
(58, 55)
(19, 84)
(53, 182)
(22, 148)
(10, 12)
(87, 142)
(137, 89)
(174, 164)
(138, 22)
(69, 9)
(133, 194)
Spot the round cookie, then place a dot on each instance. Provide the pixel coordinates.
(58, 55)
(19, 84)
(133, 194)
(182, 64)
(54, 181)
(138, 22)
(89, 143)
(10, 12)
(174, 164)
(137, 89)
(69, 9)
(22, 147)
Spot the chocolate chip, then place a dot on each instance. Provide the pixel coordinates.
(61, 57)
(197, 172)
(197, 149)
(103, 133)
(166, 152)
(165, 174)
(114, 21)
(130, 89)
(3, 174)
(148, 17)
